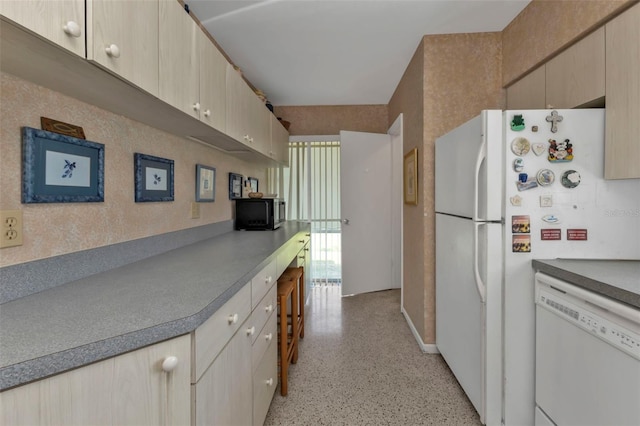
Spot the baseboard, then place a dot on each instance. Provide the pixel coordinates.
(428, 348)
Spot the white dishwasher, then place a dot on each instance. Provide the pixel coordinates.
(587, 357)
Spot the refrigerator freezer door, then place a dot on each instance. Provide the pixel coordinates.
(468, 169)
(468, 331)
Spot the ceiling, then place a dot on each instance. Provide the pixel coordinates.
(337, 52)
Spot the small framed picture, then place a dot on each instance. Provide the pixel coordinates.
(253, 183)
(235, 186)
(61, 169)
(205, 183)
(411, 177)
(153, 178)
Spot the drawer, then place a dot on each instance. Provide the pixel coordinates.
(265, 380)
(288, 255)
(266, 337)
(266, 307)
(212, 336)
(262, 282)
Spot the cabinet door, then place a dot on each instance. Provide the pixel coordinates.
(223, 395)
(130, 389)
(622, 150)
(122, 36)
(576, 76)
(179, 71)
(213, 90)
(279, 142)
(528, 93)
(61, 22)
(260, 126)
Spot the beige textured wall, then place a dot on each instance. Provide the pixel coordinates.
(408, 99)
(54, 229)
(545, 27)
(329, 120)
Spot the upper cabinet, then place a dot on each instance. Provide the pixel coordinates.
(576, 76)
(179, 72)
(528, 92)
(279, 142)
(213, 84)
(122, 36)
(61, 22)
(622, 149)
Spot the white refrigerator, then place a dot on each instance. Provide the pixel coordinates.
(512, 186)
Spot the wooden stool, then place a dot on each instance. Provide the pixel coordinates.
(297, 274)
(287, 342)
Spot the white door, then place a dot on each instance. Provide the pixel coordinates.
(365, 198)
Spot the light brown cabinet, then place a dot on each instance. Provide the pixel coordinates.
(61, 22)
(622, 149)
(213, 91)
(129, 389)
(118, 41)
(528, 92)
(577, 76)
(279, 142)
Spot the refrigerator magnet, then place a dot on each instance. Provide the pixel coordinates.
(554, 119)
(570, 179)
(517, 123)
(518, 164)
(560, 152)
(529, 184)
(516, 201)
(550, 234)
(538, 148)
(521, 244)
(520, 146)
(551, 218)
(545, 177)
(520, 224)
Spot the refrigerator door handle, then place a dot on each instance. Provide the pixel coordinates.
(480, 285)
(482, 154)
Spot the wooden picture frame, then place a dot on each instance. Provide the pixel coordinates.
(235, 186)
(61, 169)
(153, 178)
(410, 177)
(205, 183)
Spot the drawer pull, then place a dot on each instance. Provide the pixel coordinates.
(72, 29)
(268, 337)
(169, 364)
(268, 280)
(251, 331)
(113, 51)
(233, 319)
(269, 382)
(196, 106)
(301, 241)
(269, 308)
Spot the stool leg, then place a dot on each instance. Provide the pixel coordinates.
(284, 359)
(294, 322)
(302, 300)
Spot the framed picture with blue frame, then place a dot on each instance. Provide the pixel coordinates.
(61, 169)
(153, 178)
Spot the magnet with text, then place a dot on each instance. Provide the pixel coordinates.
(521, 243)
(518, 164)
(577, 234)
(551, 218)
(550, 234)
(570, 179)
(520, 146)
(554, 119)
(517, 123)
(560, 152)
(520, 224)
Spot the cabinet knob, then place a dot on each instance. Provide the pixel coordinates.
(233, 319)
(251, 331)
(250, 140)
(301, 241)
(269, 308)
(196, 106)
(268, 280)
(169, 364)
(246, 138)
(268, 337)
(72, 29)
(269, 382)
(207, 113)
(113, 51)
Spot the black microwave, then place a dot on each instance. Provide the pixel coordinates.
(259, 213)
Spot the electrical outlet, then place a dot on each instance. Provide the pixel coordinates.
(195, 210)
(11, 228)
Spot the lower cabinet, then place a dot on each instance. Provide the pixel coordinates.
(129, 389)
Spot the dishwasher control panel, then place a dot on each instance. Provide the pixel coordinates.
(614, 334)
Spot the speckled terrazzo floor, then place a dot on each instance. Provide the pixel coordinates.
(359, 364)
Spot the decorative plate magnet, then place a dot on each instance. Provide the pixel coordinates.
(550, 218)
(517, 124)
(518, 164)
(545, 177)
(538, 148)
(554, 119)
(570, 179)
(520, 146)
(560, 152)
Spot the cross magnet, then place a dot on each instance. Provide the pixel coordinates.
(554, 119)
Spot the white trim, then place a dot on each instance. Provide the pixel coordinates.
(424, 347)
(314, 138)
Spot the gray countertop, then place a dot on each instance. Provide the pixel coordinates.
(129, 307)
(616, 279)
